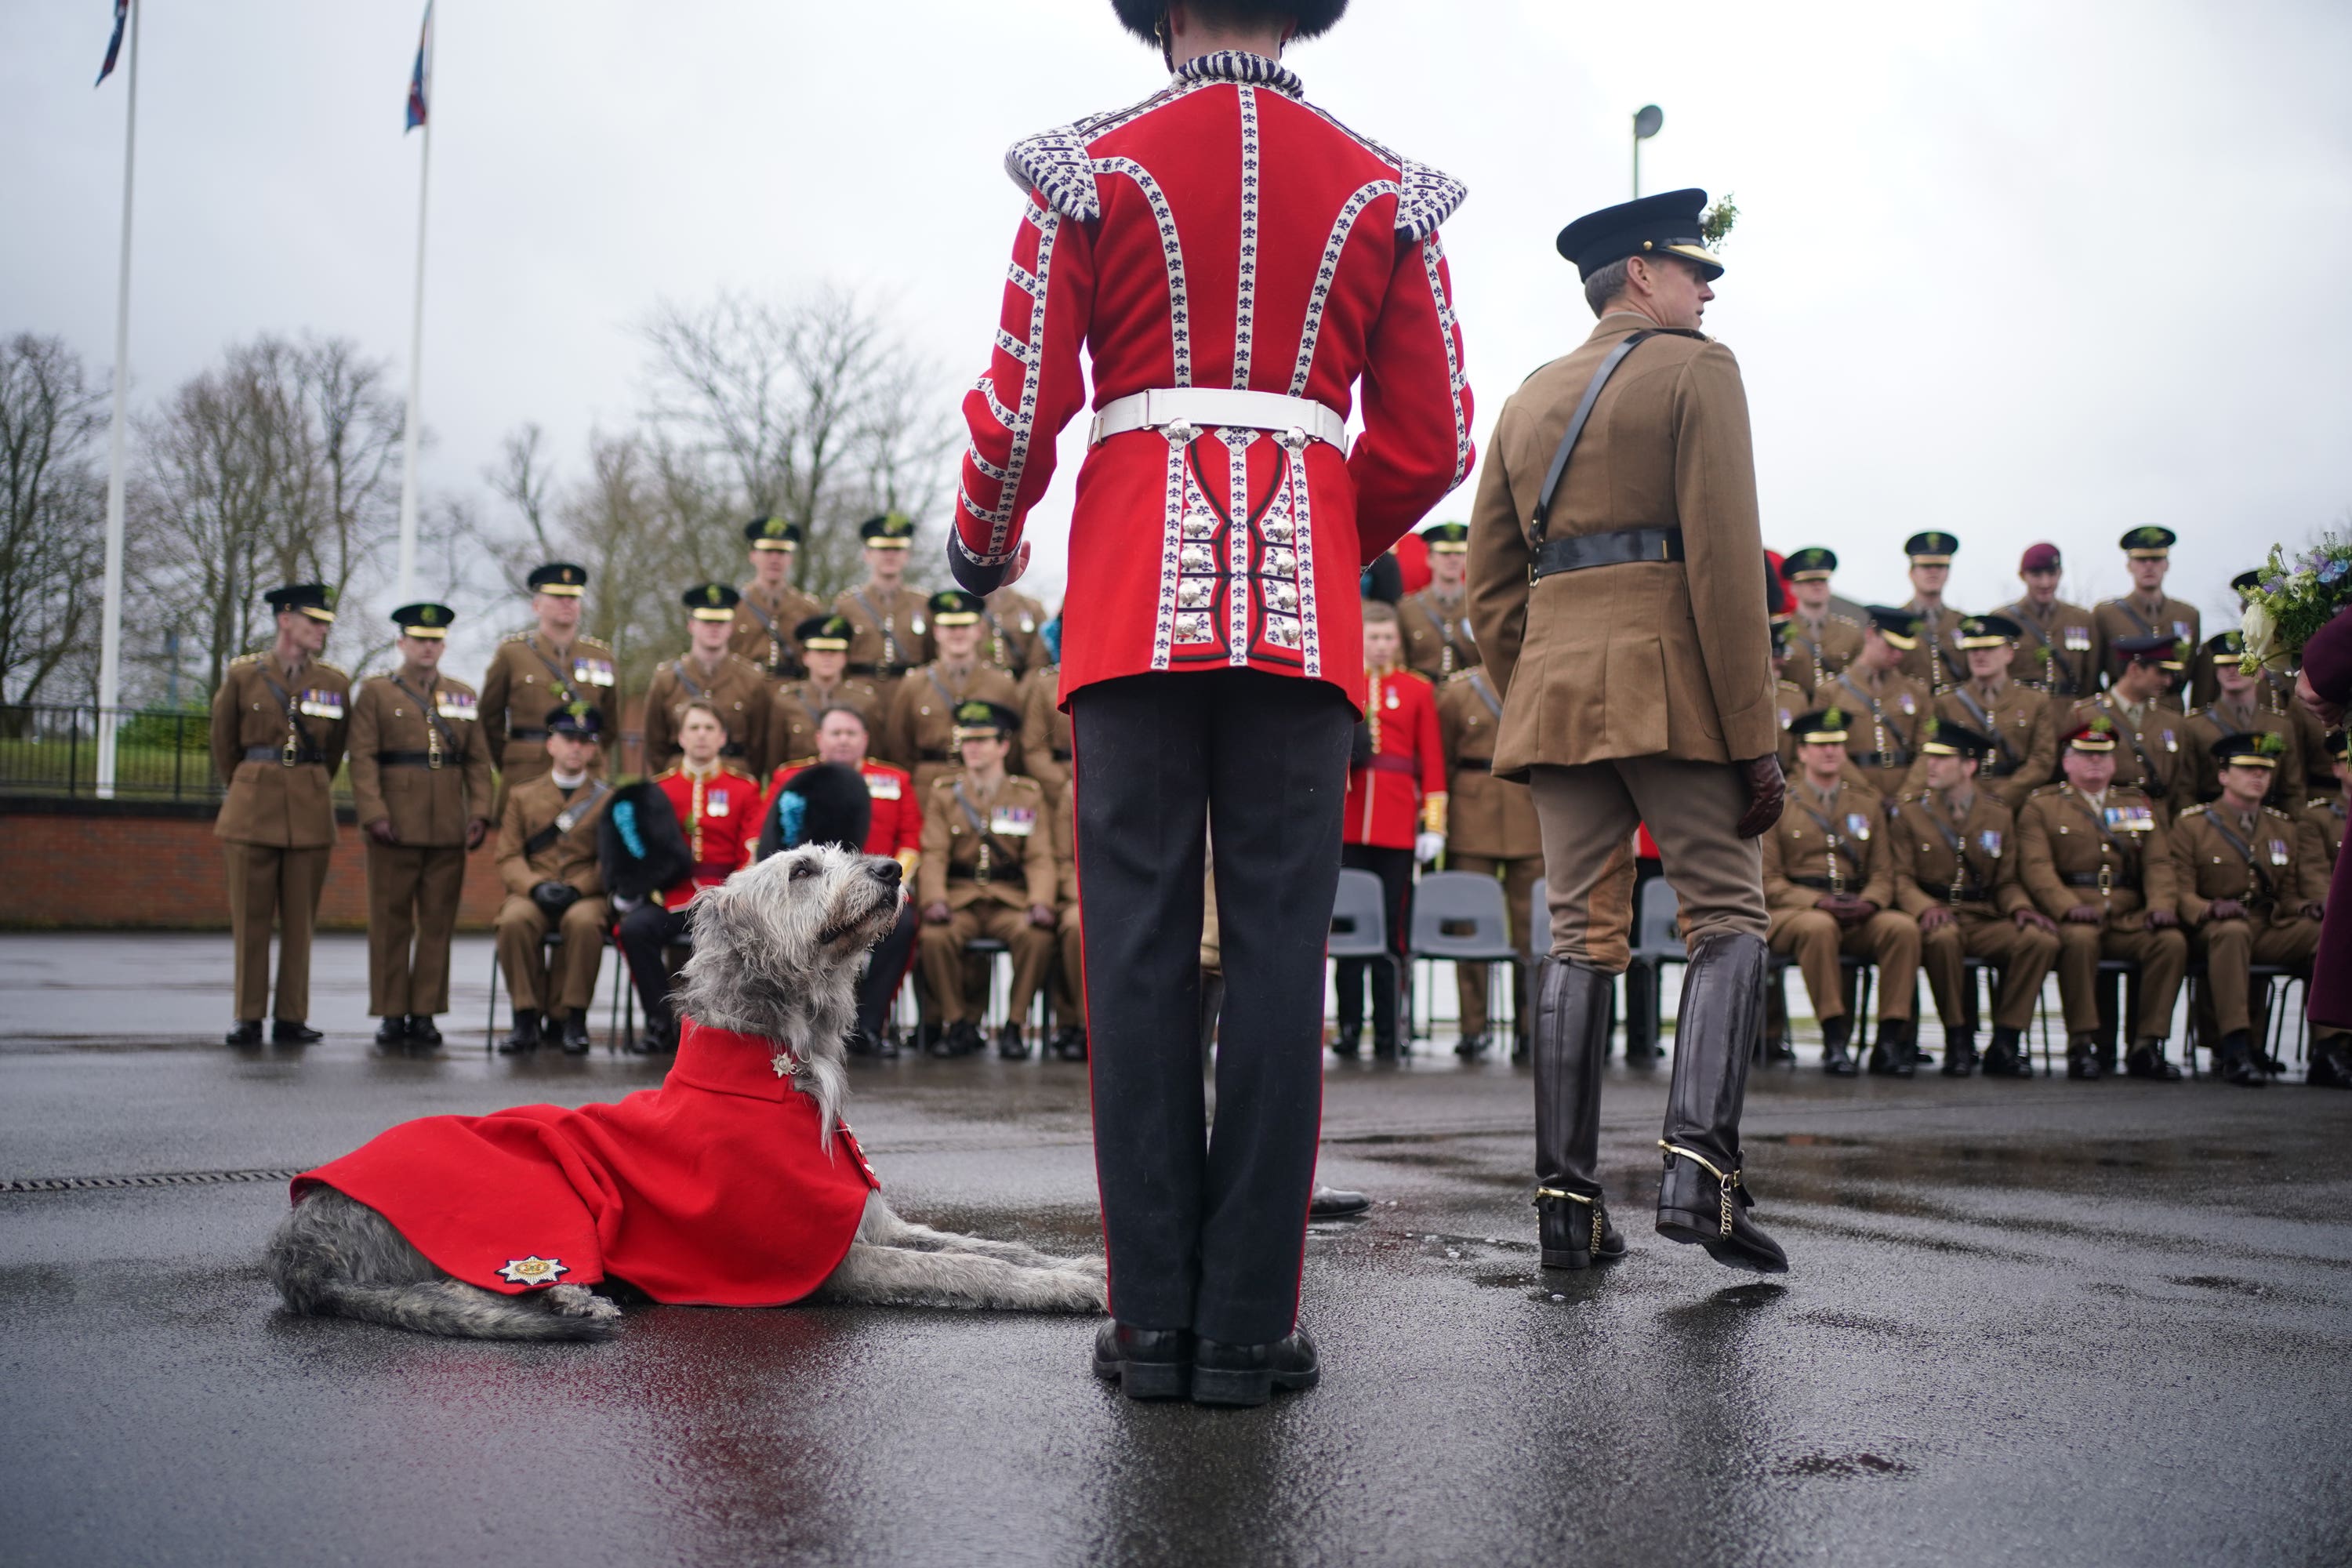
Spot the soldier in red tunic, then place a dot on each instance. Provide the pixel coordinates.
(1236, 262)
(718, 806)
(1395, 815)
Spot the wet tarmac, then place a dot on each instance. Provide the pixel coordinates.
(2025, 1322)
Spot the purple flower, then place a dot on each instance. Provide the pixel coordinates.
(2272, 584)
(2334, 570)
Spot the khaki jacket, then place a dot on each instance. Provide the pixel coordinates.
(793, 710)
(919, 733)
(1883, 725)
(892, 631)
(2018, 717)
(739, 690)
(1936, 663)
(1437, 636)
(572, 857)
(2127, 617)
(1065, 855)
(528, 680)
(1012, 627)
(1650, 658)
(1980, 879)
(1009, 863)
(2148, 749)
(768, 642)
(2289, 868)
(1789, 699)
(1817, 658)
(429, 806)
(2325, 815)
(1046, 748)
(2066, 860)
(2059, 650)
(1805, 863)
(2198, 777)
(269, 802)
(1484, 815)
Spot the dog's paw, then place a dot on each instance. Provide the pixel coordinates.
(579, 1302)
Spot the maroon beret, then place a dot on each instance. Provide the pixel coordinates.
(2039, 558)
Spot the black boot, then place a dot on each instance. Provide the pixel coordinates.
(292, 1032)
(523, 1039)
(2331, 1062)
(1572, 1024)
(1960, 1053)
(1011, 1045)
(1147, 1363)
(2005, 1057)
(1470, 1047)
(2233, 1059)
(576, 1032)
(650, 1039)
(392, 1033)
(1348, 1041)
(1703, 1195)
(2081, 1058)
(2148, 1061)
(1890, 1054)
(1069, 1043)
(1836, 1060)
(246, 1032)
(422, 1031)
(1248, 1374)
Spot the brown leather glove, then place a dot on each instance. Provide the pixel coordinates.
(380, 831)
(1767, 792)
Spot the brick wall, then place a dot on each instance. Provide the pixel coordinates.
(97, 864)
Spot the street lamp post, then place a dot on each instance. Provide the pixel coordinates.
(1646, 120)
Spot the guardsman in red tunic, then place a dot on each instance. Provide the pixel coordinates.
(1236, 263)
(717, 806)
(1395, 815)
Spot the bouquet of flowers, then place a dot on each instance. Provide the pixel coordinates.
(2292, 600)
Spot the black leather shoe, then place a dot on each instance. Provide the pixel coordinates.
(1778, 1052)
(1384, 1048)
(2331, 1063)
(1960, 1053)
(2148, 1061)
(1248, 1374)
(1070, 1043)
(523, 1039)
(1011, 1045)
(2083, 1058)
(960, 1038)
(1577, 1230)
(1836, 1060)
(248, 1032)
(1890, 1054)
(1347, 1043)
(575, 1033)
(2004, 1057)
(1703, 1196)
(1336, 1203)
(2234, 1061)
(392, 1032)
(422, 1031)
(1470, 1047)
(1146, 1364)
(292, 1032)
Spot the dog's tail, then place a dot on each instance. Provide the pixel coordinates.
(460, 1311)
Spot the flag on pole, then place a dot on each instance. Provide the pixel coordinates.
(417, 78)
(114, 44)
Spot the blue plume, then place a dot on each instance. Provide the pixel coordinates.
(625, 820)
(1051, 632)
(795, 813)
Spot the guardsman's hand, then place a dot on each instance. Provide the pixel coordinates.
(2159, 919)
(2330, 713)
(2084, 915)
(935, 914)
(2034, 920)
(1937, 919)
(380, 831)
(475, 831)
(1039, 915)
(1768, 790)
(2223, 910)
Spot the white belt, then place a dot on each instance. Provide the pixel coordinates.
(1213, 408)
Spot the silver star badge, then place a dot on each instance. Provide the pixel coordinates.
(782, 1062)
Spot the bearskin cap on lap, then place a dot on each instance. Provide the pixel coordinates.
(1308, 17)
(826, 804)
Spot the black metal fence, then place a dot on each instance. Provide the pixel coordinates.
(159, 754)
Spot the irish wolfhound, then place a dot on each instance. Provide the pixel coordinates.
(777, 953)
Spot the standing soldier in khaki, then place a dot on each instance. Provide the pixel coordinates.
(2095, 857)
(1011, 626)
(1490, 831)
(1047, 749)
(1821, 643)
(552, 667)
(547, 857)
(1830, 877)
(1789, 698)
(2328, 813)
(824, 642)
(421, 780)
(2235, 709)
(2015, 717)
(2146, 732)
(2252, 885)
(705, 672)
(1935, 662)
(2057, 649)
(2146, 611)
(771, 606)
(889, 635)
(1885, 710)
(987, 870)
(1619, 607)
(1436, 621)
(1070, 1041)
(278, 732)
(921, 732)
(1955, 848)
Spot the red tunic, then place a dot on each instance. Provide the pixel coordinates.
(1407, 763)
(897, 828)
(721, 816)
(714, 1189)
(1223, 233)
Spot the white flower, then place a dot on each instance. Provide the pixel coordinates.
(2258, 629)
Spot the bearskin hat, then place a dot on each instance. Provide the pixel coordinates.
(1308, 17)
(826, 804)
(639, 845)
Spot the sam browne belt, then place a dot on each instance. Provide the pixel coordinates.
(289, 758)
(1211, 408)
(1620, 547)
(408, 760)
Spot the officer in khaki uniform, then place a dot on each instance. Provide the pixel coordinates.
(2057, 650)
(1617, 593)
(771, 609)
(421, 781)
(824, 642)
(1435, 622)
(1490, 831)
(1933, 661)
(921, 731)
(279, 724)
(1830, 876)
(2235, 709)
(2096, 859)
(1789, 698)
(2326, 813)
(1822, 643)
(1885, 710)
(549, 667)
(1011, 628)
(1069, 968)
(2252, 884)
(889, 633)
(987, 870)
(2146, 611)
(547, 859)
(735, 688)
(1955, 848)
(2015, 717)
(2148, 731)
(1045, 746)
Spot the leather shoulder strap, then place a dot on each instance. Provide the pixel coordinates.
(1542, 518)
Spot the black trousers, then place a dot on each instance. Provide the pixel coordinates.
(1207, 1233)
(645, 932)
(1394, 869)
(885, 969)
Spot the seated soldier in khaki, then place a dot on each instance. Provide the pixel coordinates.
(1884, 708)
(1955, 847)
(987, 871)
(2252, 887)
(1069, 968)
(2013, 716)
(547, 857)
(2236, 709)
(2145, 727)
(2096, 859)
(1829, 880)
(824, 643)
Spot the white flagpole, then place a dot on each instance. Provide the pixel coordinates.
(410, 436)
(109, 633)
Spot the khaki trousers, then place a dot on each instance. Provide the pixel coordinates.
(1520, 874)
(1889, 938)
(267, 884)
(412, 911)
(2163, 959)
(1069, 972)
(1588, 814)
(2230, 947)
(942, 958)
(566, 982)
(2022, 956)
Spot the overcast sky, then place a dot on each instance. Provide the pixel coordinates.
(2018, 269)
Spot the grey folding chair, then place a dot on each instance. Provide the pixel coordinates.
(1359, 921)
(1657, 942)
(1460, 916)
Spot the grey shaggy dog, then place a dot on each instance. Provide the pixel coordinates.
(777, 953)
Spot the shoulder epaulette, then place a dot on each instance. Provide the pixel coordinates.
(797, 764)
(247, 658)
(666, 772)
(2046, 789)
(331, 669)
(519, 636)
(946, 781)
(1461, 677)
(2188, 811)
(738, 771)
(2275, 811)
(1417, 674)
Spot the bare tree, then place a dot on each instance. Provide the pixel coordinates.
(52, 519)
